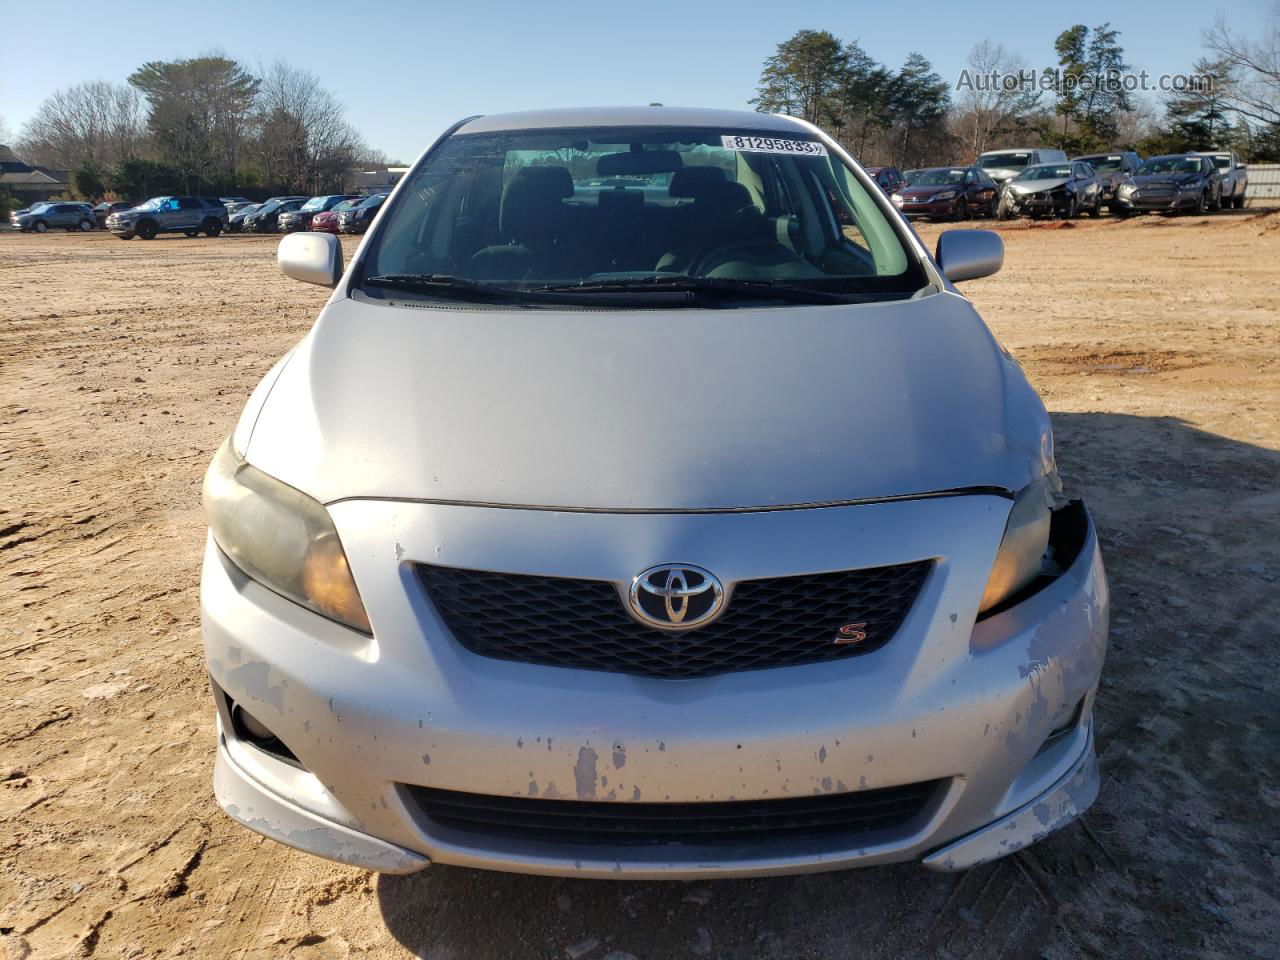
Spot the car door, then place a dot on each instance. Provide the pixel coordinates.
(191, 213)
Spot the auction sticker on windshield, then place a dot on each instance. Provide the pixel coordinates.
(742, 144)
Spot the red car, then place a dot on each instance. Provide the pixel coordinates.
(947, 193)
(327, 220)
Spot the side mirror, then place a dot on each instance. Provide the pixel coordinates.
(969, 254)
(1242, 166)
(311, 258)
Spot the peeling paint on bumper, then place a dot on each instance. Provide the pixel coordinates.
(264, 812)
(1060, 805)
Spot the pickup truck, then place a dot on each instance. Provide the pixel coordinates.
(1235, 176)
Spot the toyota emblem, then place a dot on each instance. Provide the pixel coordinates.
(676, 596)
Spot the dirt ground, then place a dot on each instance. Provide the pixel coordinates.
(1156, 344)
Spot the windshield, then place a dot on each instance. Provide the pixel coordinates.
(1105, 164)
(627, 207)
(1176, 165)
(346, 205)
(1004, 161)
(939, 177)
(1047, 171)
(315, 203)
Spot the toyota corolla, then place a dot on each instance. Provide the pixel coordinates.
(692, 525)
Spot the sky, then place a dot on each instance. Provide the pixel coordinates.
(406, 71)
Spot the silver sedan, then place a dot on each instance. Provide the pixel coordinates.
(647, 502)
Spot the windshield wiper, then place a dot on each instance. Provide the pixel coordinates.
(444, 285)
(715, 286)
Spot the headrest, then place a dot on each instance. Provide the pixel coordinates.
(639, 162)
(694, 181)
(531, 202)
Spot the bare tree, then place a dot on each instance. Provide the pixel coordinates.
(990, 106)
(1254, 64)
(304, 139)
(91, 126)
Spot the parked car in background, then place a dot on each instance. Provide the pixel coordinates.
(1064, 189)
(358, 218)
(189, 215)
(1234, 175)
(947, 193)
(1189, 182)
(326, 221)
(235, 220)
(106, 208)
(40, 217)
(1112, 169)
(267, 216)
(231, 201)
(234, 208)
(1003, 165)
(887, 179)
(790, 565)
(300, 219)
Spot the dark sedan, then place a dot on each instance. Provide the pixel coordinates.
(267, 216)
(300, 219)
(357, 219)
(888, 179)
(1188, 182)
(947, 193)
(1112, 169)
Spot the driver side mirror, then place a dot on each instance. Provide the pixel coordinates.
(969, 254)
(311, 258)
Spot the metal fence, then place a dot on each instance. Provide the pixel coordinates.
(1264, 184)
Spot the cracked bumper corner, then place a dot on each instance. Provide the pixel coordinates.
(249, 803)
(1055, 808)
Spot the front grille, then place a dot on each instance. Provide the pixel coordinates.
(562, 622)
(627, 823)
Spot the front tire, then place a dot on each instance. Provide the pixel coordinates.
(962, 210)
(1072, 209)
(1202, 204)
(1096, 212)
(40, 227)
(1238, 202)
(213, 228)
(85, 226)
(146, 230)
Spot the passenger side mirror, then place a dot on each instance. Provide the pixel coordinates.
(969, 254)
(311, 258)
(1242, 166)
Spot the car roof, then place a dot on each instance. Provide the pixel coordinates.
(630, 117)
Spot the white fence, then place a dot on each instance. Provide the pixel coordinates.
(1264, 184)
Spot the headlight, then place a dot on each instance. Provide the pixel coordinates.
(1189, 185)
(1026, 537)
(281, 538)
(1126, 188)
(945, 195)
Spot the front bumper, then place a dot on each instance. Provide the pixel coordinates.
(1156, 204)
(936, 208)
(969, 705)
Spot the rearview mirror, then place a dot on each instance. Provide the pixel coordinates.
(969, 254)
(311, 258)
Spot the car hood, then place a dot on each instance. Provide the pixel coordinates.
(926, 192)
(1035, 186)
(1162, 179)
(649, 409)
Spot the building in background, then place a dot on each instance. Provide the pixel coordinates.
(378, 180)
(30, 184)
